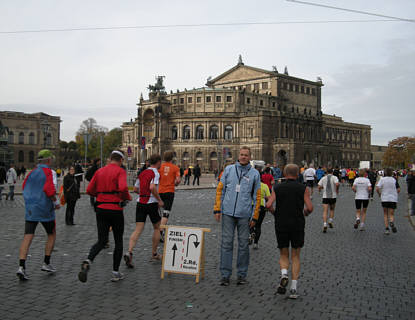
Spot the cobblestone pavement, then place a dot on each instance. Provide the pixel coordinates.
(346, 274)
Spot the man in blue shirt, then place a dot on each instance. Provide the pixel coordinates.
(319, 173)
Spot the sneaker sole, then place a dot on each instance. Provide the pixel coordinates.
(330, 225)
(127, 262)
(48, 271)
(82, 276)
(356, 224)
(116, 279)
(324, 229)
(21, 277)
(281, 290)
(394, 230)
(293, 296)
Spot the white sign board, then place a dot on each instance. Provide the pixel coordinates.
(182, 250)
(364, 165)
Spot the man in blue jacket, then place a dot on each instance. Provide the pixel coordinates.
(238, 199)
(40, 203)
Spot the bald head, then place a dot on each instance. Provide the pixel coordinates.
(291, 171)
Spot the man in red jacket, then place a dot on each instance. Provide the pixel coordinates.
(109, 186)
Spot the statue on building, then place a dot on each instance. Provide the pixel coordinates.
(3, 129)
(286, 70)
(240, 62)
(158, 86)
(274, 68)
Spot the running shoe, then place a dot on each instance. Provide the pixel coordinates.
(392, 225)
(128, 258)
(224, 282)
(21, 274)
(256, 246)
(155, 257)
(362, 227)
(356, 224)
(293, 294)
(107, 245)
(48, 268)
(251, 237)
(331, 223)
(387, 231)
(117, 276)
(83, 274)
(324, 228)
(282, 288)
(241, 281)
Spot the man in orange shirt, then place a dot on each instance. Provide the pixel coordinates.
(169, 178)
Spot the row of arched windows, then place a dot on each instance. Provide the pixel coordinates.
(200, 132)
(21, 138)
(21, 156)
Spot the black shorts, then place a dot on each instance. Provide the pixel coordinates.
(329, 201)
(388, 204)
(294, 238)
(30, 226)
(150, 209)
(360, 203)
(168, 199)
(310, 183)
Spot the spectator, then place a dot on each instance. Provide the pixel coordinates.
(11, 178)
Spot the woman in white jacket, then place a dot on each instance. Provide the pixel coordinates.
(11, 178)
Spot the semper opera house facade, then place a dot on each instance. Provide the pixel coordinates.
(278, 116)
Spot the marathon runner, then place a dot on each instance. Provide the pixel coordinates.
(330, 185)
(292, 204)
(362, 187)
(309, 176)
(169, 179)
(388, 189)
(148, 204)
(109, 186)
(39, 195)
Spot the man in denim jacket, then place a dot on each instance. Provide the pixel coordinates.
(238, 201)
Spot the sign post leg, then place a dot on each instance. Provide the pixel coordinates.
(203, 255)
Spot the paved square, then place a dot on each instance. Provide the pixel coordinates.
(346, 274)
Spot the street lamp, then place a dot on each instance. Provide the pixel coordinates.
(46, 128)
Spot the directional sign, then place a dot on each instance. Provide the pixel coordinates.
(183, 250)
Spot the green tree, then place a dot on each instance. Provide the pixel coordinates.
(400, 152)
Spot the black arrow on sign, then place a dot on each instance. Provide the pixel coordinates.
(174, 253)
(196, 243)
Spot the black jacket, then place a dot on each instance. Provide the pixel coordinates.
(2, 175)
(196, 172)
(70, 188)
(91, 171)
(411, 184)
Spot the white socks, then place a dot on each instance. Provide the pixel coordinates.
(293, 284)
(284, 273)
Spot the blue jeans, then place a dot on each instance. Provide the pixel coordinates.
(228, 230)
(11, 192)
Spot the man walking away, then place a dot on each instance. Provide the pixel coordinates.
(309, 176)
(40, 203)
(238, 198)
(11, 178)
(330, 185)
(411, 189)
(148, 204)
(109, 186)
(169, 179)
(362, 187)
(3, 179)
(89, 175)
(371, 175)
(196, 174)
(78, 173)
(292, 204)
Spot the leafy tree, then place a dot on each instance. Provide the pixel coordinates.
(400, 152)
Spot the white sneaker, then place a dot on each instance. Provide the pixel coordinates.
(362, 227)
(48, 268)
(293, 294)
(21, 274)
(117, 276)
(256, 246)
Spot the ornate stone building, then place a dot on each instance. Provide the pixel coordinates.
(277, 115)
(28, 133)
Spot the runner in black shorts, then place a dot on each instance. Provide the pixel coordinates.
(148, 204)
(330, 186)
(291, 197)
(362, 186)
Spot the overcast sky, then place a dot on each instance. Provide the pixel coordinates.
(368, 68)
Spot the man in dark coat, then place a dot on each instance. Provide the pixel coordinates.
(196, 174)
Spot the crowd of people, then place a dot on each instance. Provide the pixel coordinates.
(244, 195)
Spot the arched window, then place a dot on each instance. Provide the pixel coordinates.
(31, 156)
(186, 156)
(199, 156)
(174, 133)
(49, 139)
(213, 156)
(11, 137)
(228, 132)
(21, 156)
(213, 133)
(199, 132)
(31, 138)
(21, 138)
(186, 132)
